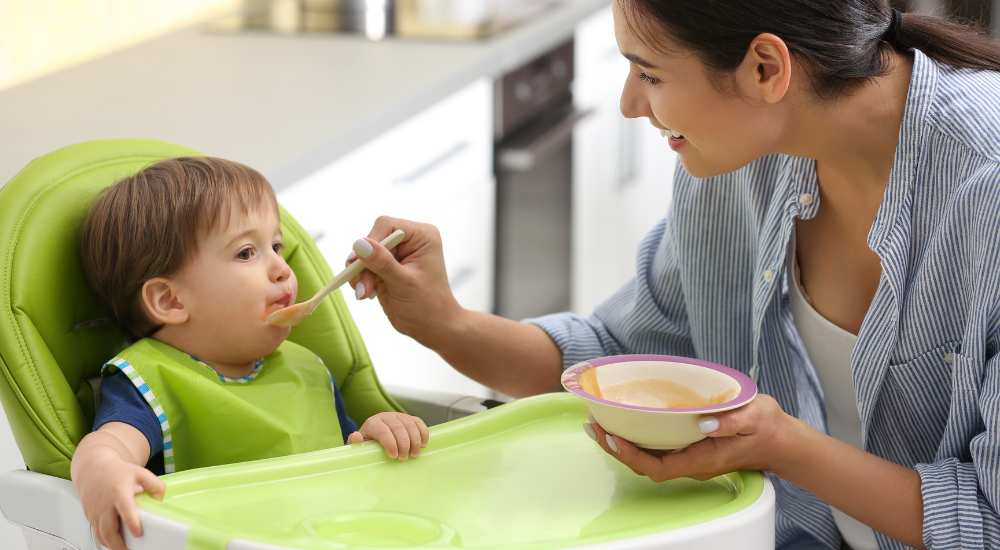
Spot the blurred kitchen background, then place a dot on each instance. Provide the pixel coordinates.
(495, 120)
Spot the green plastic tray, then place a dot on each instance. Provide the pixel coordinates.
(523, 475)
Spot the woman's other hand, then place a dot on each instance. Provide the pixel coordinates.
(753, 437)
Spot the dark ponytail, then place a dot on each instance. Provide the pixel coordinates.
(843, 43)
(948, 42)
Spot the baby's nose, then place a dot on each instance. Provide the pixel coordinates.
(281, 270)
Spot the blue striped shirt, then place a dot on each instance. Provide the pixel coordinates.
(712, 283)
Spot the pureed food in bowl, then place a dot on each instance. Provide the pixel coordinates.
(663, 394)
(655, 401)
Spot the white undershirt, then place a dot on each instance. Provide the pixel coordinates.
(829, 348)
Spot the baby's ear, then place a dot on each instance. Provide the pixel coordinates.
(161, 302)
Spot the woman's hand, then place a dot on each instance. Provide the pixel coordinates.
(411, 282)
(753, 437)
(401, 435)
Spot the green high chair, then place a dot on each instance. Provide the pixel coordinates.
(54, 335)
(520, 476)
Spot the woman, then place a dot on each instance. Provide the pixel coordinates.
(835, 232)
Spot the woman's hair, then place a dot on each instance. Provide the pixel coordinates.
(149, 224)
(842, 43)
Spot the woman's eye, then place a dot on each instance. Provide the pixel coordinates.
(646, 78)
(278, 247)
(245, 253)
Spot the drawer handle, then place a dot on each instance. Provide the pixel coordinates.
(431, 165)
(521, 157)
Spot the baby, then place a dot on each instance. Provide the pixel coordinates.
(187, 254)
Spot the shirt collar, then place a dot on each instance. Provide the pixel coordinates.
(920, 98)
(803, 193)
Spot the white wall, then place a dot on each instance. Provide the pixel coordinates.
(41, 36)
(10, 459)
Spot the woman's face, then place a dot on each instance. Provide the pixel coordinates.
(716, 131)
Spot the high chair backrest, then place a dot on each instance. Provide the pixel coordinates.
(55, 335)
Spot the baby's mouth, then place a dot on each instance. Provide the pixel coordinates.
(671, 133)
(281, 303)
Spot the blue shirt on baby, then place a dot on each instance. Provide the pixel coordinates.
(121, 402)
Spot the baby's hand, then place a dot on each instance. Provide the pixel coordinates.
(108, 499)
(401, 435)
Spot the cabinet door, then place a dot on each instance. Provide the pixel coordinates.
(451, 186)
(622, 170)
(436, 168)
(333, 204)
(10, 459)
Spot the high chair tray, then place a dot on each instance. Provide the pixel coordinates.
(523, 475)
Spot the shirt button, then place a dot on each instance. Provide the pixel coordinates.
(769, 275)
(949, 358)
(805, 199)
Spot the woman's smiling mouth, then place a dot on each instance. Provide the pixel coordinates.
(674, 138)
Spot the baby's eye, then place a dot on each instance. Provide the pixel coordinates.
(278, 247)
(651, 79)
(245, 253)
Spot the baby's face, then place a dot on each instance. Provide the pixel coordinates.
(235, 280)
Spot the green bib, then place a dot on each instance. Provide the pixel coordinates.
(285, 406)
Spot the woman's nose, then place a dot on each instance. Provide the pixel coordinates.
(632, 104)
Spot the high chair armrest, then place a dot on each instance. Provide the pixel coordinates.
(45, 505)
(437, 407)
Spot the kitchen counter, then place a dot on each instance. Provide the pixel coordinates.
(286, 105)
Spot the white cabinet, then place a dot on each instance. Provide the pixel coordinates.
(436, 167)
(622, 170)
(10, 459)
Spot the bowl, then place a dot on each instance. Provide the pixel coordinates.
(655, 401)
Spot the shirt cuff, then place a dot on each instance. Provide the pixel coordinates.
(155, 442)
(575, 336)
(953, 508)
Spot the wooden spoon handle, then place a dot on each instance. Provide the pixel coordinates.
(356, 267)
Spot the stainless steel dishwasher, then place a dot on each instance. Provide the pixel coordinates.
(534, 119)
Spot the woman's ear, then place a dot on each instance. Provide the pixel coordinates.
(162, 303)
(766, 70)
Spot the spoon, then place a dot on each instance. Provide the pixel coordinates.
(294, 314)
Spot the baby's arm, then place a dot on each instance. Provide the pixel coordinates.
(401, 435)
(108, 471)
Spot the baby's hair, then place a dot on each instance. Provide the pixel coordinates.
(149, 224)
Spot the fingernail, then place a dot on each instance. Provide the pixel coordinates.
(359, 291)
(708, 425)
(362, 248)
(611, 443)
(587, 429)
